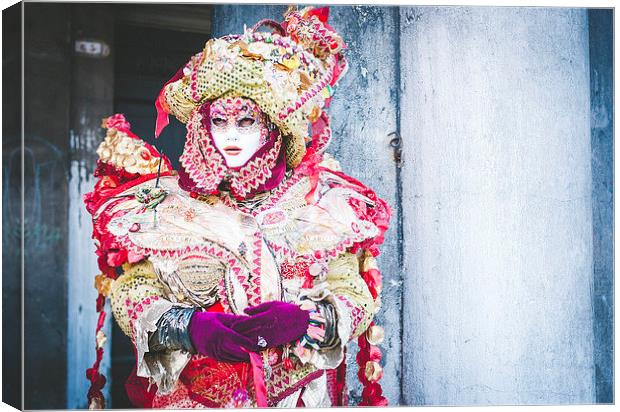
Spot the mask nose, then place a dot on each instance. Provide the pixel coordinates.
(231, 136)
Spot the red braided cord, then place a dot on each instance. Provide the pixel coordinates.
(97, 380)
(372, 394)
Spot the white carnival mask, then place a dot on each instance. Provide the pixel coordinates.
(238, 128)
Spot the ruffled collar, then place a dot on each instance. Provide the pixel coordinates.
(204, 171)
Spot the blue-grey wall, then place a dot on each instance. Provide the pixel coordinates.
(47, 61)
(601, 123)
(11, 207)
(497, 211)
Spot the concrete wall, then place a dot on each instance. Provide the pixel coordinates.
(364, 113)
(47, 61)
(601, 122)
(497, 206)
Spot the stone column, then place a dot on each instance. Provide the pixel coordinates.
(364, 113)
(495, 114)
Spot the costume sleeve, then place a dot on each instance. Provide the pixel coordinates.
(344, 289)
(354, 303)
(138, 303)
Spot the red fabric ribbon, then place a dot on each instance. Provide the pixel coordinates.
(259, 379)
(322, 13)
(310, 167)
(162, 114)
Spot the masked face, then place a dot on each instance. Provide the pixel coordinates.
(239, 129)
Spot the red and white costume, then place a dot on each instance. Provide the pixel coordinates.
(287, 225)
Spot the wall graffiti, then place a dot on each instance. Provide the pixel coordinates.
(44, 166)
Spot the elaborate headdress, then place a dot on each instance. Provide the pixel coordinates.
(289, 73)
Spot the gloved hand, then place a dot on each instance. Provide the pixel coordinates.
(212, 335)
(273, 324)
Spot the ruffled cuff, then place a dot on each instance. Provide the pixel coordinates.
(164, 367)
(327, 357)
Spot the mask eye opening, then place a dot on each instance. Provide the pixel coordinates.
(246, 122)
(218, 121)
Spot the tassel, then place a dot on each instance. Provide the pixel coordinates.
(162, 116)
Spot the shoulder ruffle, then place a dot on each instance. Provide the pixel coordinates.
(341, 215)
(125, 161)
(367, 207)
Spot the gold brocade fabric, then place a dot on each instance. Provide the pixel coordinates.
(136, 283)
(131, 154)
(344, 280)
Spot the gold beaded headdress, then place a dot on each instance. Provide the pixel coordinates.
(289, 73)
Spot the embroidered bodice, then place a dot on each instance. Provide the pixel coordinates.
(240, 255)
(277, 246)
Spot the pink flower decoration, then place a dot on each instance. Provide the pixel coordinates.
(117, 257)
(118, 122)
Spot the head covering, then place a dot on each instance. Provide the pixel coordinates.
(289, 73)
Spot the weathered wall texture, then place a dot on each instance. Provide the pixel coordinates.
(601, 93)
(47, 62)
(92, 98)
(363, 113)
(497, 198)
(11, 207)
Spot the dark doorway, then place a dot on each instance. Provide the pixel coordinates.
(151, 42)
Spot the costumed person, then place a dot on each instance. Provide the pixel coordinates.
(241, 277)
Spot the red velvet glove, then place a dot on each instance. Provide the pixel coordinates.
(273, 324)
(212, 335)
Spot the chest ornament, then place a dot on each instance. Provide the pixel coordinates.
(150, 196)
